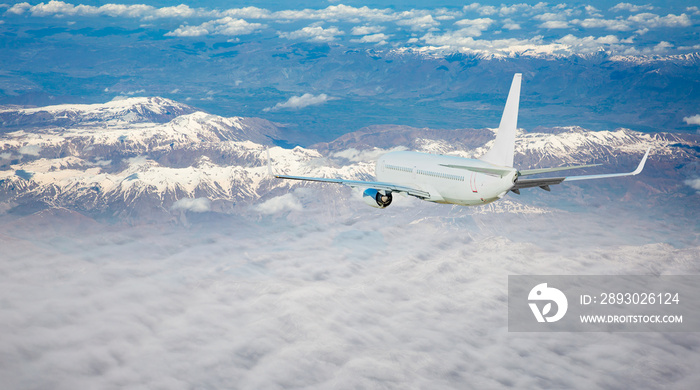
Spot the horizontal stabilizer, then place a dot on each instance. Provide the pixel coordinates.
(529, 183)
(526, 172)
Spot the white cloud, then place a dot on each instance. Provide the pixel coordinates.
(514, 9)
(663, 47)
(588, 44)
(555, 24)
(189, 31)
(419, 23)
(553, 20)
(694, 183)
(445, 14)
(649, 20)
(481, 9)
(509, 24)
(593, 11)
(224, 26)
(534, 45)
(180, 11)
(298, 102)
(313, 33)
(325, 295)
(366, 30)
(693, 10)
(474, 27)
(373, 38)
(195, 205)
(248, 13)
(336, 13)
(18, 9)
(549, 16)
(286, 202)
(692, 120)
(131, 11)
(613, 25)
(232, 22)
(631, 7)
(60, 8)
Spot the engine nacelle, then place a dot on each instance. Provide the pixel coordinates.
(376, 198)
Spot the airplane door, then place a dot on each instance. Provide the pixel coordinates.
(472, 181)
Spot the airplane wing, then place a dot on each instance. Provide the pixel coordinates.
(363, 184)
(504, 171)
(353, 183)
(546, 182)
(527, 172)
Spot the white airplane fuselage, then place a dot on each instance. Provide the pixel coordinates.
(445, 184)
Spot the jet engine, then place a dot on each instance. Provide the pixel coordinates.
(375, 198)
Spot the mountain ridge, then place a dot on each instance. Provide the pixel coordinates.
(133, 170)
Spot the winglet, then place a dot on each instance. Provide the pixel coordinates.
(641, 163)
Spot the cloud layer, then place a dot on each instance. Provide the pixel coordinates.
(224, 26)
(330, 295)
(436, 29)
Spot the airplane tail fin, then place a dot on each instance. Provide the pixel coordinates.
(503, 148)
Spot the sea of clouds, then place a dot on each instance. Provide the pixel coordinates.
(315, 291)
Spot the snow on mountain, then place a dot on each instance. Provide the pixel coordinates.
(119, 110)
(123, 169)
(574, 145)
(541, 148)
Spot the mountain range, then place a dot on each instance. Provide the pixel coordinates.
(150, 159)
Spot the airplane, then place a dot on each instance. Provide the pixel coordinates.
(458, 180)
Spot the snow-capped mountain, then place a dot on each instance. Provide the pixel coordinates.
(119, 110)
(113, 162)
(543, 148)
